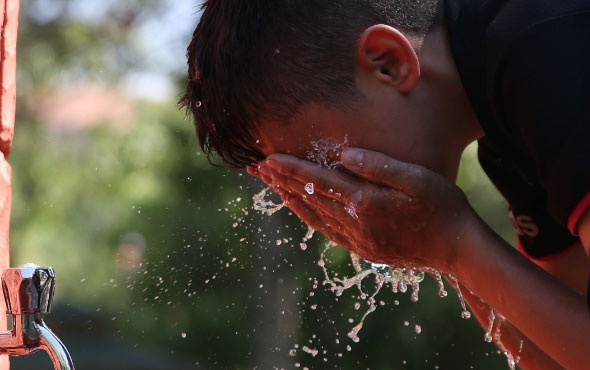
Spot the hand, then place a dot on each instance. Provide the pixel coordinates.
(384, 210)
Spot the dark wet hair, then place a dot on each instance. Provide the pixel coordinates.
(254, 60)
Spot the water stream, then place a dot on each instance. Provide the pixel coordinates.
(399, 280)
(326, 153)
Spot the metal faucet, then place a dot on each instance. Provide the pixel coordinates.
(28, 292)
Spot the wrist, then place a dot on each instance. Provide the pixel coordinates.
(465, 243)
(478, 245)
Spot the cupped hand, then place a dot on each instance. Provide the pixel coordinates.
(384, 210)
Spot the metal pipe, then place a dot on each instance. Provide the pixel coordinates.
(55, 348)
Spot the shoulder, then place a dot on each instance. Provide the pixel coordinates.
(529, 29)
(514, 18)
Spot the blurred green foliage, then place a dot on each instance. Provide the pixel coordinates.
(161, 263)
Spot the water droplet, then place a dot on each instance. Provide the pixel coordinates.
(266, 207)
(418, 329)
(327, 151)
(311, 351)
(183, 335)
(309, 188)
(488, 335)
(352, 210)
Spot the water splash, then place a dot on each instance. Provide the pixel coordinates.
(517, 360)
(512, 362)
(465, 313)
(442, 292)
(308, 236)
(488, 335)
(399, 279)
(311, 351)
(323, 152)
(264, 206)
(352, 210)
(417, 329)
(327, 151)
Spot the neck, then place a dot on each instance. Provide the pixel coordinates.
(450, 119)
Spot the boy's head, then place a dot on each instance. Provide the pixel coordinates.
(258, 66)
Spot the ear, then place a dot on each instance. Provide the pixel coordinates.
(387, 54)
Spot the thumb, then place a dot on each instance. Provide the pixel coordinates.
(382, 169)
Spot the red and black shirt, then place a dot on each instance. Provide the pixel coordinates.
(525, 66)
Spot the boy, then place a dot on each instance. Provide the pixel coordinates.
(272, 77)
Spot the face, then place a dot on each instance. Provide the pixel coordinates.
(373, 123)
(407, 112)
(387, 76)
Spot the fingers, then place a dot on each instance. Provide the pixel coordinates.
(284, 183)
(330, 183)
(333, 213)
(382, 169)
(316, 222)
(324, 204)
(252, 170)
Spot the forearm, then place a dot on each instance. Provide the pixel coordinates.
(552, 315)
(526, 354)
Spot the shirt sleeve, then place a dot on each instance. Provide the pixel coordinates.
(544, 98)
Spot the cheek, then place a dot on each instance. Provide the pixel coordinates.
(283, 141)
(327, 151)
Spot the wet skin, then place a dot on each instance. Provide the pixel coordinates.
(396, 206)
(409, 211)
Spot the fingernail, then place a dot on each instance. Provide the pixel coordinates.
(252, 170)
(353, 158)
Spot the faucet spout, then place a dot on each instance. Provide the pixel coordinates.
(54, 347)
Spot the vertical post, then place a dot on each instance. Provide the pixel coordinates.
(8, 33)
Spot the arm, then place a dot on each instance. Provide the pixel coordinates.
(526, 355)
(552, 315)
(571, 269)
(410, 216)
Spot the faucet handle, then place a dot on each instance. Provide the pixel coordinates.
(28, 289)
